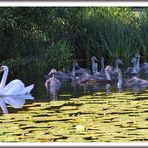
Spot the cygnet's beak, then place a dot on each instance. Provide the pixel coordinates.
(50, 73)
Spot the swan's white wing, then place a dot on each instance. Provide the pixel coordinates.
(15, 83)
(15, 87)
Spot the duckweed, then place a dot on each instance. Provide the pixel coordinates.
(117, 117)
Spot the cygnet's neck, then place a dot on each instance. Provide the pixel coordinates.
(74, 71)
(107, 75)
(95, 68)
(53, 75)
(134, 70)
(102, 65)
(137, 63)
(134, 65)
(116, 65)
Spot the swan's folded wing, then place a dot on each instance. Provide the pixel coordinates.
(14, 86)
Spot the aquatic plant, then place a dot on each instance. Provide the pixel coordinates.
(118, 117)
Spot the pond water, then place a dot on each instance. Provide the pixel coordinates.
(94, 113)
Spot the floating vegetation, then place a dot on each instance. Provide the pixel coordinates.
(117, 117)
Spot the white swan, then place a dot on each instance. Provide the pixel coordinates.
(53, 85)
(52, 82)
(15, 87)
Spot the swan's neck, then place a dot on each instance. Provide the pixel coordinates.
(107, 75)
(120, 76)
(134, 70)
(134, 65)
(53, 75)
(95, 68)
(102, 65)
(137, 63)
(116, 65)
(4, 78)
(74, 71)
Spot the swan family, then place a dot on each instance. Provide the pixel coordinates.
(107, 75)
(80, 76)
(16, 91)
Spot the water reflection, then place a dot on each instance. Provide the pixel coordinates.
(108, 90)
(77, 90)
(120, 89)
(14, 101)
(53, 92)
(74, 88)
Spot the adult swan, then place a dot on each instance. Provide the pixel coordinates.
(15, 87)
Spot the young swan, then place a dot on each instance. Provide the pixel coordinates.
(94, 65)
(132, 70)
(120, 81)
(145, 67)
(52, 82)
(53, 85)
(73, 73)
(117, 63)
(102, 71)
(132, 82)
(108, 70)
(138, 68)
(105, 75)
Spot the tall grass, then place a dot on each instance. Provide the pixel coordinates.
(119, 40)
(143, 34)
(111, 33)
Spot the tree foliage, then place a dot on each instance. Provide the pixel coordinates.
(55, 36)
